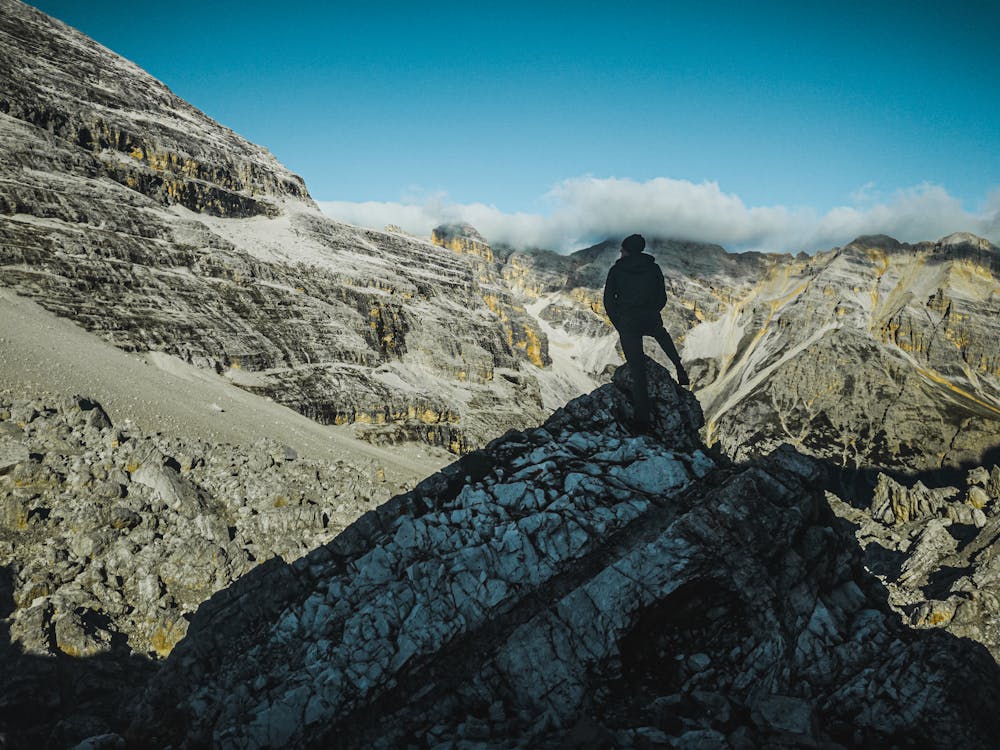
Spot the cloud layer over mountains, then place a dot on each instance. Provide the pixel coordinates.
(586, 210)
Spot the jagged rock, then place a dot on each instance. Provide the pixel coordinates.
(939, 558)
(137, 537)
(933, 543)
(894, 503)
(551, 578)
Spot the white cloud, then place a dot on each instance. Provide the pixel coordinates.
(586, 210)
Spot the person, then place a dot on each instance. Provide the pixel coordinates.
(634, 294)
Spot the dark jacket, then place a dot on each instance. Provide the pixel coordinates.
(634, 293)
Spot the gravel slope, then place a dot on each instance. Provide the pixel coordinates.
(41, 353)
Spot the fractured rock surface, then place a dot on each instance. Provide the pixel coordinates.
(576, 583)
(936, 551)
(110, 539)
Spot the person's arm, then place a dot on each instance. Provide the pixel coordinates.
(611, 297)
(661, 297)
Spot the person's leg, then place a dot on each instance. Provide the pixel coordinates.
(667, 345)
(632, 348)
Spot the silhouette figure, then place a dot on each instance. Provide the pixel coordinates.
(633, 297)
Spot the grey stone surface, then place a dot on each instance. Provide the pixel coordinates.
(501, 602)
(139, 529)
(127, 210)
(568, 583)
(936, 551)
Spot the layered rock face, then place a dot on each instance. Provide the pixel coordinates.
(572, 584)
(575, 585)
(130, 212)
(126, 127)
(877, 354)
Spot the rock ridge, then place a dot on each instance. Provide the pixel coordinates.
(577, 581)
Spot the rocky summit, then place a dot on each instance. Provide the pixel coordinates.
(573, 585)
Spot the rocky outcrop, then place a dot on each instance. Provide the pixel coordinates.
(129, 532)
(935, 549)
(577, 585)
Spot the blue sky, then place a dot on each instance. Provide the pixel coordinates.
(779, 114)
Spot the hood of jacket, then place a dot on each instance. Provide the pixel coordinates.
(638, 263)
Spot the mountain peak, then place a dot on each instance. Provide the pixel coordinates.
(134, 130)
(965, 238)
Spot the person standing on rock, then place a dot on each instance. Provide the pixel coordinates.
(634, 294)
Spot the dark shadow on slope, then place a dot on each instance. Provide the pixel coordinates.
(58, 701)
(963, 533)
(704, 620)
(701, 619)
(940, 581)
(857, 485)
(884, 562)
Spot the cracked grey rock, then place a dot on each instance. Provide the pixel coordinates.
(935, 549)
(501, 581)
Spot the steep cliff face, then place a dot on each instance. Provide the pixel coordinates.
(126, 126)
(576, 585)
(521, 330)
(130, 212)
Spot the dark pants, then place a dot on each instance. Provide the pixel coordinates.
(631, 338)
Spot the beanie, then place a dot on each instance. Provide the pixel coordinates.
(634, 243)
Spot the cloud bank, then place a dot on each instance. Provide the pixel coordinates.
(586, 210)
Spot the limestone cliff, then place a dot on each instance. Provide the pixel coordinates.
(127, 210)
(522, 331)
